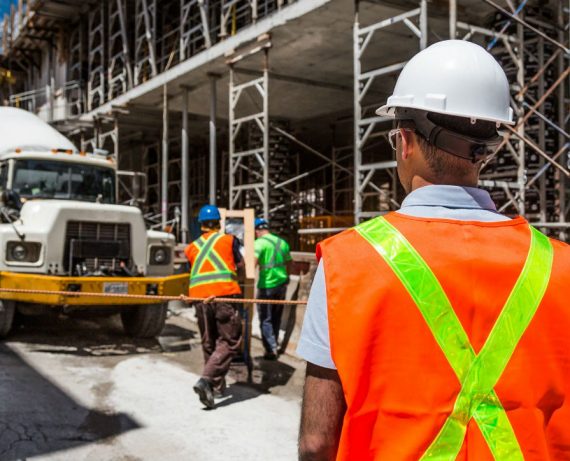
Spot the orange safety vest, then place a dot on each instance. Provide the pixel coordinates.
(213, 270)
(400, 382)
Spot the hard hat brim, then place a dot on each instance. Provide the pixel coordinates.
(388, 110)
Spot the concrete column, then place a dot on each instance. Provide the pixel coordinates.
(521, 173)
(213, 146)
(50, 88)
(452, 19)
(116, 140)
(562, 95)
(185, 164)
(266, 135)
(164, 181)
(423, 24)
(357, 116)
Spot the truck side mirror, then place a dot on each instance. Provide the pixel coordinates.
(12, 199)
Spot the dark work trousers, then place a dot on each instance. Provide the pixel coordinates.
(221, 332)
(270, 316)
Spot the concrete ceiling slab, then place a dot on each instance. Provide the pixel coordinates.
(311, 60)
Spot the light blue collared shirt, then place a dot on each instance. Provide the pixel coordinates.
(444, 202)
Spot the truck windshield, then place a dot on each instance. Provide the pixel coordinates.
(35, 179)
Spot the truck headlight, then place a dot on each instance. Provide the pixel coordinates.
(160, 255)
(28, 252)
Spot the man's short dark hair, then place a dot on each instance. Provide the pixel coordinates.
(213, 224)
(442, 162)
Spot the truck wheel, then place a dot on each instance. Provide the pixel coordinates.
(7, 309)
(145, 320)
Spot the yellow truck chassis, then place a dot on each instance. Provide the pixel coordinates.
(173, 285)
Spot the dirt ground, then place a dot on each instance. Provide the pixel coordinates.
(78, 389)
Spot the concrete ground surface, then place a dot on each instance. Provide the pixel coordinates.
(78, 389)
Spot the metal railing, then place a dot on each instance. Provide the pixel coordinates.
(65, 102)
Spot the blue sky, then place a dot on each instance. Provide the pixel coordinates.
(5, 6)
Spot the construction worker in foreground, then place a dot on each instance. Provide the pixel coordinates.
(440, 331)
(273, 258)
(214, 259)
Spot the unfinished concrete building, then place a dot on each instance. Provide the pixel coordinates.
(269, 103)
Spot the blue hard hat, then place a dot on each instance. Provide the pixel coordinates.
(261, 223)
(209, 213)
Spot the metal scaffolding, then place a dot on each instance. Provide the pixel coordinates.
(366, 123)
(105, 137)
(528, 174)
(195, 33)
(111, 47)
(145, 40)
(120, 73)
(75, 69)
(249, 167)
(115, 45)
(342, 173)
(97, 55)
(235, 14)
(168, 34)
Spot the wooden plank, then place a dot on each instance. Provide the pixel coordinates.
(248, 217)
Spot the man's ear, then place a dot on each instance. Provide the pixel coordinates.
(407, 142)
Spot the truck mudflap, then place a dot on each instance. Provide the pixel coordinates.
(173, 285)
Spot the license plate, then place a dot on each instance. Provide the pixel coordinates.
(116, 287)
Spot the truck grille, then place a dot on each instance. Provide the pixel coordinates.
(96, 245)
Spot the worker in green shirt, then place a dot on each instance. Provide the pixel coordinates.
(273, 259)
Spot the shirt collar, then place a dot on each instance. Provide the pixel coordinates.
(450, 197)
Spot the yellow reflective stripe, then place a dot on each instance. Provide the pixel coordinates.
(212, 277)
(204, 244)
(492, 360)
(209, 254)
(477, 374)
(216, 260)
(425, 290)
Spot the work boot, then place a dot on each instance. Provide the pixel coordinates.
(270, 355)
(220, 390)
(204, 390)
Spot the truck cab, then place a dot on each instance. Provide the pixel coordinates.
(62, 229)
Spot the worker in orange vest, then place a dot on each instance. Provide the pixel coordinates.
(214, 259)
(440, 331)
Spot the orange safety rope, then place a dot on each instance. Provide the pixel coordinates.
(183, 298)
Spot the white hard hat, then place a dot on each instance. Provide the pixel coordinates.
(453, 77)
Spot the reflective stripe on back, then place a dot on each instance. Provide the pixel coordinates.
(276, 251)
(478, 374)
(213, 278)
(204, 245)
(207, 253)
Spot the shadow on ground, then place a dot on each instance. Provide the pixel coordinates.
(104, 337)
(265, 376)
(96, 336)
(270, 373)
(37, 417)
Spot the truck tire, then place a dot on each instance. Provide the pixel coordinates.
(7, 309)
(145, 320)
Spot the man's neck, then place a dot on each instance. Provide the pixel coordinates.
(419, 181)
